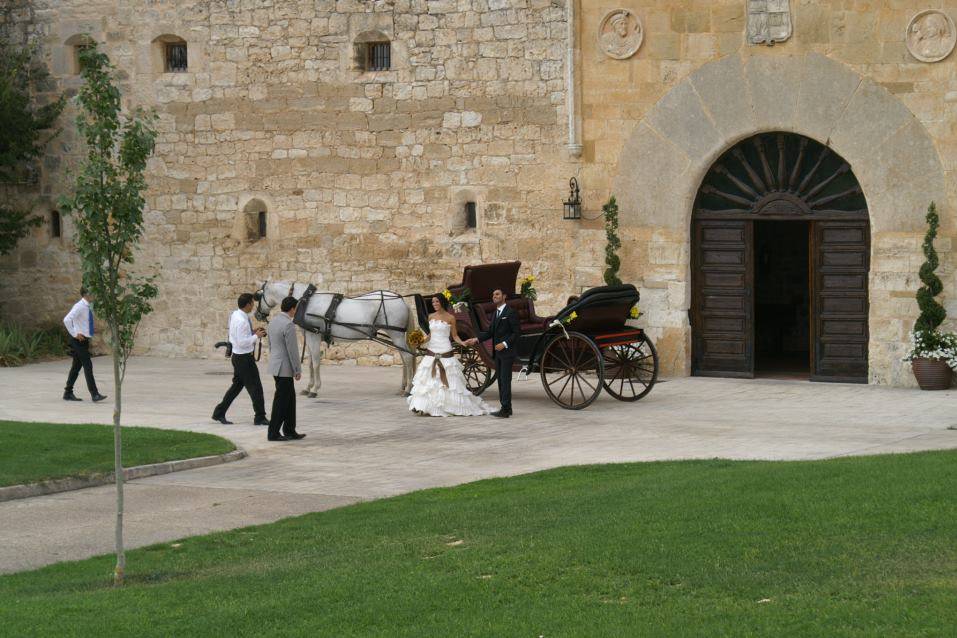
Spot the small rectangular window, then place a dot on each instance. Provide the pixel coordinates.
(378, 56)
(470, 220)
(176, 57)
(55, 230)
(78, 54)
(262, 224)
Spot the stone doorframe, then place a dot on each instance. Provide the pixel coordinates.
(667, 155)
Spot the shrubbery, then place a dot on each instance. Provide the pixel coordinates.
(19, 345)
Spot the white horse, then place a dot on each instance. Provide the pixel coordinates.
(356, 318)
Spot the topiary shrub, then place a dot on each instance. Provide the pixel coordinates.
(932, 313)
(612, 260)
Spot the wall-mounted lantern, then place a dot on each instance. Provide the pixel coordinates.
(573, 207)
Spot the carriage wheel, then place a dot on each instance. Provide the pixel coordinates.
(630, 369)
(572, 371)
(478, 376)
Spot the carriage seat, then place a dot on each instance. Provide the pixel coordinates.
(527, 319)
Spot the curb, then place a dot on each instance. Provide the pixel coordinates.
(13, 492)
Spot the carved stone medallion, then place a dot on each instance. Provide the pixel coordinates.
(930, 36)
(620, 34)
(769, 21)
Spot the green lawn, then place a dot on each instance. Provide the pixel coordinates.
(31, 452)
(847, 547)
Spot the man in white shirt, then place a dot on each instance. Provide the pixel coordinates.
(245, 372)
(79, 323)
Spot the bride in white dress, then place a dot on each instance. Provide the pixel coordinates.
(438, 387)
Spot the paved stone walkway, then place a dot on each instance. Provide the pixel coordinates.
(363, 444)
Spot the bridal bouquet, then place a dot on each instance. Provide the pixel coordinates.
(415, 338)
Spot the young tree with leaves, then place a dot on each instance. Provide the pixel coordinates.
(107, 205)
(613, 244)
(27, 128)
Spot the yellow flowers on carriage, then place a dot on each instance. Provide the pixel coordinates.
(528, 287)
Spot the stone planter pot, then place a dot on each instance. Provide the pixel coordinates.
(932, 374)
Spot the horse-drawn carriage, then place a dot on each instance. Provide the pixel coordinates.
(584, 348)
(587, 346)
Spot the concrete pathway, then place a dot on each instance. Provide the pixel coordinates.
(362, 443)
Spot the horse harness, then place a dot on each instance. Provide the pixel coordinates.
(329, 320)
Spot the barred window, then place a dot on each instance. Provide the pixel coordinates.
(378, 56)
(175, 57)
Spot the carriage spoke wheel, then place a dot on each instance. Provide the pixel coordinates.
(478, 376)
(630, 369)
(572, 371)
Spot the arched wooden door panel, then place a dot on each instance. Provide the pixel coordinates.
(780, 176)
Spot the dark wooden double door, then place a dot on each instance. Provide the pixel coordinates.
(724, 272)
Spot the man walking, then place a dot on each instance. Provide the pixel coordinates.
(245, 371)
(79, 323)
(284, 366)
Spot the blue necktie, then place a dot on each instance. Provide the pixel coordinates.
(250, 321)
(91, 322)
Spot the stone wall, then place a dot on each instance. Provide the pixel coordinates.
(364, 174)
(653, 124)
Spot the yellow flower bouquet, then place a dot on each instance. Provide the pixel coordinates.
(528, 287)
(415, 338)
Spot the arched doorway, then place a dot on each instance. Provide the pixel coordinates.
(780, 258)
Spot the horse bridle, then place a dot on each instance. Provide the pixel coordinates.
(260, 295)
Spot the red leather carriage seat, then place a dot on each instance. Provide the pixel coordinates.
(527, 319)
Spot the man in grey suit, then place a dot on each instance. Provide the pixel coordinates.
(284, 366)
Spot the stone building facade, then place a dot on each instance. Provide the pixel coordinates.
(363, 175)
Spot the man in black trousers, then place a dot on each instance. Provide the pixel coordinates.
(284, 366)
(245, 372)
(79, 323)
(504, 333)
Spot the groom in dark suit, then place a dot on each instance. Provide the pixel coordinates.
(504, 333)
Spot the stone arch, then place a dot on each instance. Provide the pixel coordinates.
(372, 51)
(665, 158)
(75, 44)
(168, 54)
(460, 198)
(257, 214)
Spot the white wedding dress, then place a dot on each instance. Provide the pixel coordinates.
(429, 394)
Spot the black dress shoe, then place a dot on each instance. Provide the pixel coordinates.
(502, 414)
(98, 397)
(69, 396)
(295, 437)
(277, 438)
(222, 420)
(261, 421)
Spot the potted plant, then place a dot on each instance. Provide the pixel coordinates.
(933, 353)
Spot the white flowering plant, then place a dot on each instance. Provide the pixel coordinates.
(933, 344)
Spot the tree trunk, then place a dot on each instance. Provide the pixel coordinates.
(120, 570)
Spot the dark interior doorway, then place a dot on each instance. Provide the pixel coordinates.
(782, 299)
